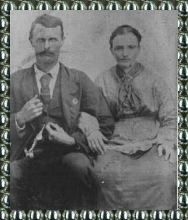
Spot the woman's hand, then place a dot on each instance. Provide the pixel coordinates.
(96, 142)
(168, 151)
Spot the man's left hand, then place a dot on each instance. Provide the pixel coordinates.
(96, 142)
(168, 151)
(58, 135)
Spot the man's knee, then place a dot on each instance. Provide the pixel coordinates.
(77, 163)
(15, 170)
(18, 171)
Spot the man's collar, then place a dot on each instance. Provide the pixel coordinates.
(54, 71)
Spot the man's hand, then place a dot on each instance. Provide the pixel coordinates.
(58, 135)
(168, 151)
(96, 142)
(31, 110)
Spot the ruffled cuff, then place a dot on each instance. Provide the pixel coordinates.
(20, 130)
(87, 123)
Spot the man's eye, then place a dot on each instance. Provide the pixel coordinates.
(40, 40)
(53, 39)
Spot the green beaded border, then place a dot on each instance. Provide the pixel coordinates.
(182, 212)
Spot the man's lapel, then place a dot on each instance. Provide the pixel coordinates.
(30, 89)
(70, 94)
(29, 85)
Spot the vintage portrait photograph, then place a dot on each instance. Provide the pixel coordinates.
(93, 101)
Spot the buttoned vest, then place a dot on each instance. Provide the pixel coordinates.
(53, 114)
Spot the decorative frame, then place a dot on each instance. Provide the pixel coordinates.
(182, 7)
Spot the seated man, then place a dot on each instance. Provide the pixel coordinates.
(48, 150)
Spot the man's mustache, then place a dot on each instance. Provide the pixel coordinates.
(47, 53)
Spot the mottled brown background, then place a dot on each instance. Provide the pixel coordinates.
(87, 34)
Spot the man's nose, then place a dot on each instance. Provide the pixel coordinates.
(46, 44)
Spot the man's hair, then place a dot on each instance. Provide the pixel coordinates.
(124, 29)
(47, 21)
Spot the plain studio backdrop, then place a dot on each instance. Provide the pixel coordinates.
(86, 44)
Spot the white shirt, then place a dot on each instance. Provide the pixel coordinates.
(54, 72)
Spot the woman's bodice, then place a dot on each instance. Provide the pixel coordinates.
(140, 103)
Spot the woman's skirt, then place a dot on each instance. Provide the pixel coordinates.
(143, 181)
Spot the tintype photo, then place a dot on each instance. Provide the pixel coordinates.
(93, 119)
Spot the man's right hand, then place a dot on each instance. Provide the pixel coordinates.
(31, 110)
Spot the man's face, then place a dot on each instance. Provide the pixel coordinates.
(125, 49)
(47, 43)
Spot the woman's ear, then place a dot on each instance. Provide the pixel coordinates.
(140, 47)
(112, 51)
(31, 42)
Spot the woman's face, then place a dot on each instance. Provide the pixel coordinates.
(125, 49)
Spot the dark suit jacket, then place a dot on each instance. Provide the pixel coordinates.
(75, 85)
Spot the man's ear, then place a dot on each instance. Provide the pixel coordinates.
(62, 41)
(31, 42)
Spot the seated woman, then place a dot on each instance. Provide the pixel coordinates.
(139, 168)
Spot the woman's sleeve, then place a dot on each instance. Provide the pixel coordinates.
(167, 113)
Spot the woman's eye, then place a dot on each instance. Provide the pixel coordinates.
(118, 48)
(131, 47)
